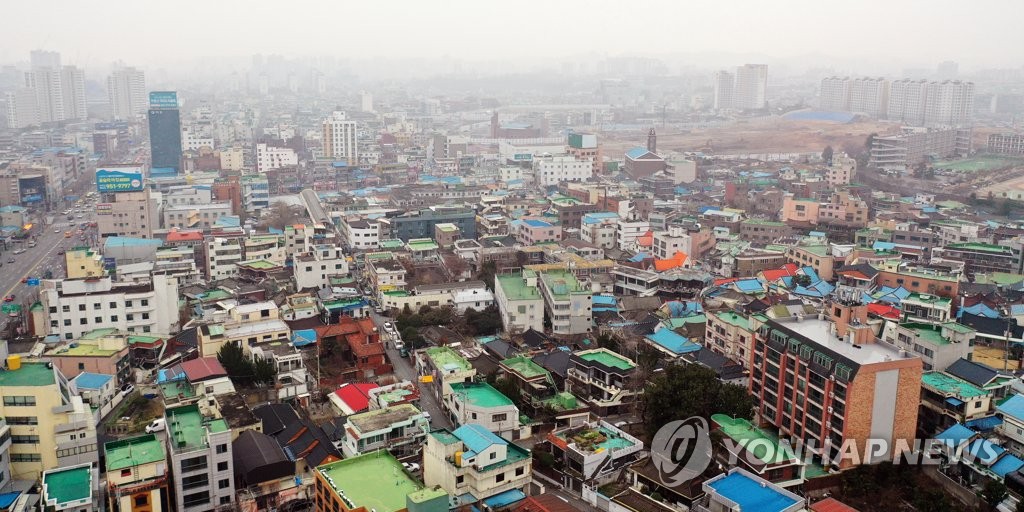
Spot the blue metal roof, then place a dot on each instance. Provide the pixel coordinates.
(534, 223)
(956, 435)
(985, 451)
(303, 337)
(955, 402)
(636, 152)
(750, 285)
(477, 438)
(603, 299)
(505, 499)
(1007, 464)
(1013, 407)
(749, 493)
(88, 380)
(673, 341)
(984, 424)
(126, 241)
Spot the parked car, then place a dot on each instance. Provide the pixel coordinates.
(411, 467)
(389, 327)
(158, 425)
(9, 298)
(127, 388)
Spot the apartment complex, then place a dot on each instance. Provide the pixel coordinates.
(340, 138)
(78, 306)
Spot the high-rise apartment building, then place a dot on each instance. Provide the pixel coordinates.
(724, 82)
(869, 96)
(835, 94)
(45, 81)
(949, 103)
(164, 132)
(126, 89)
(22, 110)
(339, 138)
(72, 83)
(907, 101)
(751, 87)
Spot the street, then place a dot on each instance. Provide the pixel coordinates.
(404, 370)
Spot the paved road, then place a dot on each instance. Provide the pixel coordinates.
(405, 370)
(34, 262)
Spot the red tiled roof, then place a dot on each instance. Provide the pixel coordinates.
(203, 368)
(855, 274)
(545, 503)
(184, 236)
(787, 270)
(831, 505)
(884, 310)
(356, 394)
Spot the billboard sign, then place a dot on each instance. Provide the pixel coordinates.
(163, 99)
(104, 208)
(522, 157)
(122, 179)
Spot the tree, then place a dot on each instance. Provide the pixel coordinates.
(281, 214)
(609, 341)
(487, 272)
(485, 322)
(263, 371)
(681, 391)
(826, 155)
(235, 362)
(993, 493)
(412, 337)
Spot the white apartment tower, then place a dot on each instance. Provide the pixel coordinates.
(724, 82)
(45, 81)
(907, 101)
(339, 138)
(949, 103)
(869, 96)
(126, 88)
(22, 110)
(751, 86)
(72, 83)
(835, 94)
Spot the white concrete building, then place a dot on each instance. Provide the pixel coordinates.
(520, 301)
(567, 302)
(751, 87)
(477, 299)
(232, 159)
(77, 306)
(273, 157)
(667, 243)
(627, 231)
(834, 95)
(391, 428)
(361, 234)
(126, 90)
(195, 215)
(552, 170)
(340, 138)
(199, 444)
(221, 256)
(724, 82)
(474, 464)
(315, 269)
(869, 96)
(72, 83)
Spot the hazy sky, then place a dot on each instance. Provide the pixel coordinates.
(153, 33)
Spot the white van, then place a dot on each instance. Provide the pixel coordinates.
(158, 425)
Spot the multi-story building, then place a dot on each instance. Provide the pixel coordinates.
(274, 157)
(947, 400)
(315, 269)
(724, 83)
(137, 474)
(255, 193)
(199, 444)
(567, 302)
(245, 325)
(195, 216)
(72, 84)
(131, 214)
(841, 171)
(78, 306)
(982, 257)
(907, 101)
(472, 464)
(479, 403)
(730, 334)
(72, 488)
(691, 242)
(751, 87)
(221, 256)
(1006, 143)
(628, 231)
(584, 146)
(232, 159)
(763, 232)
(552, 170)
(164, 132)
(49, 426)
(102, 351)
(600, 228)
(420, 224)
(361, 234)
(869, 96)
(830, 382)
(938, 346)
(602, 379)
(949, 103)
(445, 367)
(741, 490)
(291, 379)
(592, 450)
(82, 262)
(530, 232)
(385, 274)
(393, 428)
(340, 138)
(375, 481)
(834, 95)
(519, 301)
(926, 308)
(126, 90)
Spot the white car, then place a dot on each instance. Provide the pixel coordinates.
(158, 425)
(411, 467)
(399, 344)
(389, 327)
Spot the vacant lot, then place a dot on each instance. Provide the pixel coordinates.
(774, 135)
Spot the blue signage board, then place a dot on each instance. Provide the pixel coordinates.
(163, 99)
(32, 282)
(124, 179)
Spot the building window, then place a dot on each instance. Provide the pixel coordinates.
(222, 466)
(520, 471)
(500, 477)
(224, 484)
(19, 401)
(222, 448)
(142, 500)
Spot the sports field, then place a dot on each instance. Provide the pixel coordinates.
(980, 163)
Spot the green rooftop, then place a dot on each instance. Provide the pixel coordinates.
(607, 358)
(525, 366)
(927, 299)
(563, 401)
(84, 350)
(187, 427)
(422, 244)
(562, 284)
(391, 244)
(1003, 278)
(764, 445)
(134, 451)
(927, 332)
(445, 436)
(958, 328)
(375, 481)
(480, 394)
(30, 374)
(733, 318)
(980, 247)
(445, 358)
(764, 222)
(945, 383)
(177, 389)
(514, 287)
(259, 264)
(96, 334)
(66, 486)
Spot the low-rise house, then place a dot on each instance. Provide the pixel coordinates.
(759, 451)
(938, 345)
(373, 482)
(137, 474)
(473, 464)
(1012, 413)
(400, 428)
(593, 450)
(443, 367)
(479, 403)
(742, 491)
(601, 378)
(74, 488)
(946, 400)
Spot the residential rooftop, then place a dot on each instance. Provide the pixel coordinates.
(480, 394)
(562, 284)
(607, 358)
(30, 374)
(525, 367)
(819, 332)
(734, 318)
(946, 383)
(187, 428)
(927, 332)
(378, 419)
(134, 451)
(445, 358)
(515, 288)
(68, 487)
(762, 444)
(375, 481)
